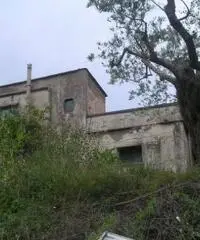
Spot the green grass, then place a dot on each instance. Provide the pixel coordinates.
(69, 188)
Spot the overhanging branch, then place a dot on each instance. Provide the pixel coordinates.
(180, 19)
(163, 76)
(153, 54)
(147, 60)
(170, 10)
(154, 2)
(188, 11)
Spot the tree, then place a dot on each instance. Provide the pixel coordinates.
(149, 37)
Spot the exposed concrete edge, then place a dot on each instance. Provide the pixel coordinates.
(23, 92)
(58, 75)
(96, 83)
(133, 110)
(42, 78)
(134, 127)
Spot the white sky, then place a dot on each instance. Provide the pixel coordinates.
(55, 36)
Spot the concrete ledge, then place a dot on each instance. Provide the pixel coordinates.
(124, 119)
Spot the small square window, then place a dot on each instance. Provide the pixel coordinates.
(131, 154)
(69, 105)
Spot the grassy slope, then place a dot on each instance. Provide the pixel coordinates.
(70, 189)
(46, 198)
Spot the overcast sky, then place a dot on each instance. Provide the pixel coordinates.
(55, 36)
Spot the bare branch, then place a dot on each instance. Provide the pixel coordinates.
(149, 59)
(163, 76)
(144, 77)
(170, 9)
(188, 11)
(153, 54)
(120, 59)
(139, 45)
(152, 193)
(154, 2)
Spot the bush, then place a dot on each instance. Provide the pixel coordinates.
(20, 133)
(45, 171)
(67, 187)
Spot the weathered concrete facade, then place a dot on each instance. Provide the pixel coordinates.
(52, 91)
(158, 130)
(152, 136)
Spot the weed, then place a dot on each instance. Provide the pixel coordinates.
(62, 185)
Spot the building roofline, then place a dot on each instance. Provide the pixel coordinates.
(57, 75)
(96, 83)
(133, 109)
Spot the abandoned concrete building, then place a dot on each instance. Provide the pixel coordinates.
(152, 136)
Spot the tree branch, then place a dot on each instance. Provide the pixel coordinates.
(188, 11)
(152, 193)
(147, 61)
(154, 2)
(170, 10)
(163, 76)
(153, 57)
(153, 54)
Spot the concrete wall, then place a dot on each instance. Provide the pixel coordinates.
(60, 87)
(133, 118)
(40, 99)
(159, 131)
(95, 99)
(73, 86)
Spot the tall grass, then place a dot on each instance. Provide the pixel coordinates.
(62, 185)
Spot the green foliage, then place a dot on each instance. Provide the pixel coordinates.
(20, 134)
(107, 222)
(67, 187)
(143, 27)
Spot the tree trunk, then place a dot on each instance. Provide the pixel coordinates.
(188, 94)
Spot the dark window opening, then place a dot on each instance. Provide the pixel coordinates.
(131, 154)
(8, 110)
(69, 105)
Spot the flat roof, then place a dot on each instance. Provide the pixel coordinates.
(57, 75)
(134, 109)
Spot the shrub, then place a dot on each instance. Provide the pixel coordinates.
(66, 187)
(44, 171)
(20, 133)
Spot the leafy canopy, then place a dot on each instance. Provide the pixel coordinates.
(150, 38)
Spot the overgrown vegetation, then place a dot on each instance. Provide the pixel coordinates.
(64, 186)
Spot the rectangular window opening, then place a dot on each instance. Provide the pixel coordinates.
(132, 154)
(9, 110)
(69, 105)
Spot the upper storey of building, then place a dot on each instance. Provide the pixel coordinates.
(75, 94)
